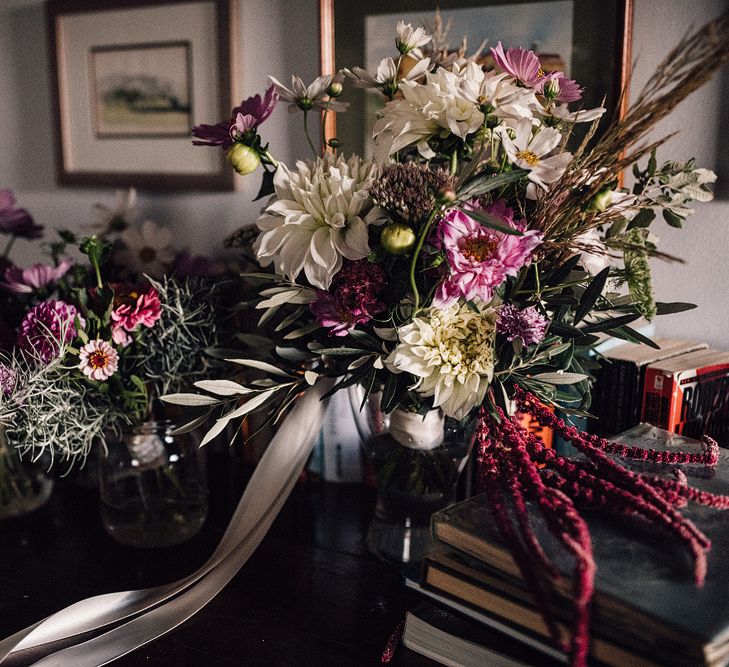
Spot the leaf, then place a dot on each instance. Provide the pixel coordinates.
(561, 272)
(191, 425)
(609, 323)
(365, 339)
(302, 331)
(672, 218)
(222, 387)
(290, 319)
(216, 429)
(490, 221)
(292, 354)
(311, 377)
(341, 351)
(673, 307)
(484, 183)
(643, 219)
(565, 330)
(261, 366)
(190, 400)
(251, 404)
(632, 336)
(591, 295)
(388, 392)
(266, 188)
(368, 383)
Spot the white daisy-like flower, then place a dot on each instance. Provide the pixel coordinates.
(451, 352)
(497, 91)
(387, 79)
(320, 215)
(580, 116)
(146, 249)
(531, 150)
(109, 219)
(306, 98)
(409, 39)
(98, 360)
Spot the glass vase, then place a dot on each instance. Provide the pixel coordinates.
(152, 486)
(417, 461)
(24, 486)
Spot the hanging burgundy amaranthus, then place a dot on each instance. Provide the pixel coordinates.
(515, 467)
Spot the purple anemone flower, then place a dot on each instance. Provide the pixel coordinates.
(247, 116)
(27, 281)
(16, 221)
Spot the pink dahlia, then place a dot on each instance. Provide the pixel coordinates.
(353, 299)
(27, 281)
(98, 360)
(134, 309)
(522, 64)
(45, 326)
(528, 324)
(480, 258)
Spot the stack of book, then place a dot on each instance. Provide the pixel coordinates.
(646, 609)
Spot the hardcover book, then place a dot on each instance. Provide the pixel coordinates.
(645, 601)
(689, 395)
(618, 393)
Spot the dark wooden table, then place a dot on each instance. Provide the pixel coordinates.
(310, 595)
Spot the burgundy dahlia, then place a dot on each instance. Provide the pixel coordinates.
(44, 326)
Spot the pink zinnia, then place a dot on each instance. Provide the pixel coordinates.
(522, 64)
(27, 281)
(98, 360)
(45, 325)
(136, 309)
(480, 258)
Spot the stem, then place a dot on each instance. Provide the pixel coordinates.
(11, 241)
(308, 136)
(454, 162)
(271, 160)
(416, 253)
(99, 282)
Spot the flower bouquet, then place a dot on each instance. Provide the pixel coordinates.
(96, 343)
(473, 265)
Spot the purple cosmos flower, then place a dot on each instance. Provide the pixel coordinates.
(44, 326)
(522, 64)
(568, 89)
(16, 221)
(528, 325)
(247, 116)
(8, 379)
(27, 281)
(479, 258)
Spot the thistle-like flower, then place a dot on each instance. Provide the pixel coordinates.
(528, 325)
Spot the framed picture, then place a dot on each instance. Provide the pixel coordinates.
(131, 78)
(590, 40)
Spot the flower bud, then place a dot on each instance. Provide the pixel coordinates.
(335, 89)
(334, 143)
(397, 238)
(551, 89)
(244, 159)
(447, 196)
(601, 200)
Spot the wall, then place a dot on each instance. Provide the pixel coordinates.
(280, 37)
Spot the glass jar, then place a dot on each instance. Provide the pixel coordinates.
(152, 486)
(24, 485)
(417, 461)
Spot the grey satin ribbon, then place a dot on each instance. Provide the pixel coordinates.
(138, 617)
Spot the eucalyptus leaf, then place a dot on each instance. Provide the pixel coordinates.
(222, 387)
(261, 366)
(190, 400)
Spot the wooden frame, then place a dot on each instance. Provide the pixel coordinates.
(145, 159)
(328, 20)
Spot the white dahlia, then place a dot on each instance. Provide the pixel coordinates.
(451, 352)
(320, 214)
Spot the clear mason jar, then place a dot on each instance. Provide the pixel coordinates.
(152, 486)
(24, 486)
(417, 462)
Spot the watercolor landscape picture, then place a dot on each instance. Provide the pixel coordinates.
(141, 90)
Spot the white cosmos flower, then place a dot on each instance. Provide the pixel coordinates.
(301, 96)
(386, 80)
(320, 214)
(147, 249)
(451, 352)
(118, 217)
(410, 39)
(530, 150)
(580, 116)
(498, 91)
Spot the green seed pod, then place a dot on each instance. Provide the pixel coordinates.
(397, 238)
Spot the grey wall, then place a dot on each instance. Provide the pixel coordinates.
(280, 38)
